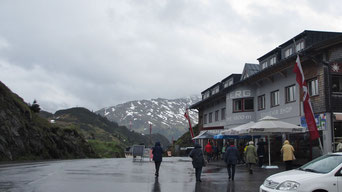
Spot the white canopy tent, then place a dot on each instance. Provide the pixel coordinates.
(268, 126)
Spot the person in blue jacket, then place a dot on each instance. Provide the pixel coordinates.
(157, 152)
(231, 157)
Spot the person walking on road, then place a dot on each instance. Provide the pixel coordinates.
(288, 154)
(209, 150)
(231, 157)
(251, 156)
(197, 161)
(157, 152)
(261, 152)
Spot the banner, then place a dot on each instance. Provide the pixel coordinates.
(308, 112)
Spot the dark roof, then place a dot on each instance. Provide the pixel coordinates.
(211, 87)
(234, 76)
(313, 38)
(318, 35)
(274, 51)
(250, 69)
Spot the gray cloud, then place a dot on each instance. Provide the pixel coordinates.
(101, 53)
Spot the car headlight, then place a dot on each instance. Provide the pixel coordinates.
(288, 186)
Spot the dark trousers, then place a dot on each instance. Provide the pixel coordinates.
(261, 161)
(198, 172)
(231, 170)
(250, 168)
(157, 164)
(288, 165)
(209, 156)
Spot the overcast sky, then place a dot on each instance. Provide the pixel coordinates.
(95, 54)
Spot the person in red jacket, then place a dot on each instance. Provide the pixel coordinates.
(209, 151)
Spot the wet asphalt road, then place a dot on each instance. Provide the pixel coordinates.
(110, 175)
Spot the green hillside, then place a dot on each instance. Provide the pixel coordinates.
(107, 138)
(27, 136)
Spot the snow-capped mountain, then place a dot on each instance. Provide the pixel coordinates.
(165, 116)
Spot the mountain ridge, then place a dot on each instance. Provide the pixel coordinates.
(166, 116)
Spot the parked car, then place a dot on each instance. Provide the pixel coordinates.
(323, 174)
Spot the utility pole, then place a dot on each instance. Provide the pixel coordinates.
(151, 134)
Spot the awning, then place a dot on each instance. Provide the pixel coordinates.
(204, 135)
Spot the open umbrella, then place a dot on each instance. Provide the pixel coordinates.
(237, 130)
(271, 125)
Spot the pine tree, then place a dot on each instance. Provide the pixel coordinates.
(35, 107)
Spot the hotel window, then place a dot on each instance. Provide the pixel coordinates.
(290, 92)
(205, 119)
(217, 115)
(261, 102)
(288, 52)
(337, 83)
(230, 82)
(210, 117)
(263, 65)
(243, 105)
(273, 60)
(313, 87)
(205, 95)
(215, 90)
(275, 98)
(223, 113)
(300, 46)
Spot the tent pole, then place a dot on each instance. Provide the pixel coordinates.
(269, 150)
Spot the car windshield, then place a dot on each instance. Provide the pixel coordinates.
(323, 164)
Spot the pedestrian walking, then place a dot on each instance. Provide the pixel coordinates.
(197, 161)
(157, 152)
(261, 152)
(209, 151)
(215, 152)
(231, 158)
(288, 154)
(251, 156)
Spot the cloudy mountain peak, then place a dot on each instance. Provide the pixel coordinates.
(166, 116)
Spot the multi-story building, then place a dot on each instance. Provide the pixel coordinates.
(270, 89)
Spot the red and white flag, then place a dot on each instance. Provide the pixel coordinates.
(308, 112)
(186, 115)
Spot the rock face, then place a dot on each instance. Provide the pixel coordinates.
(26, 136)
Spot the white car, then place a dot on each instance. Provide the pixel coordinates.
(323, 174)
